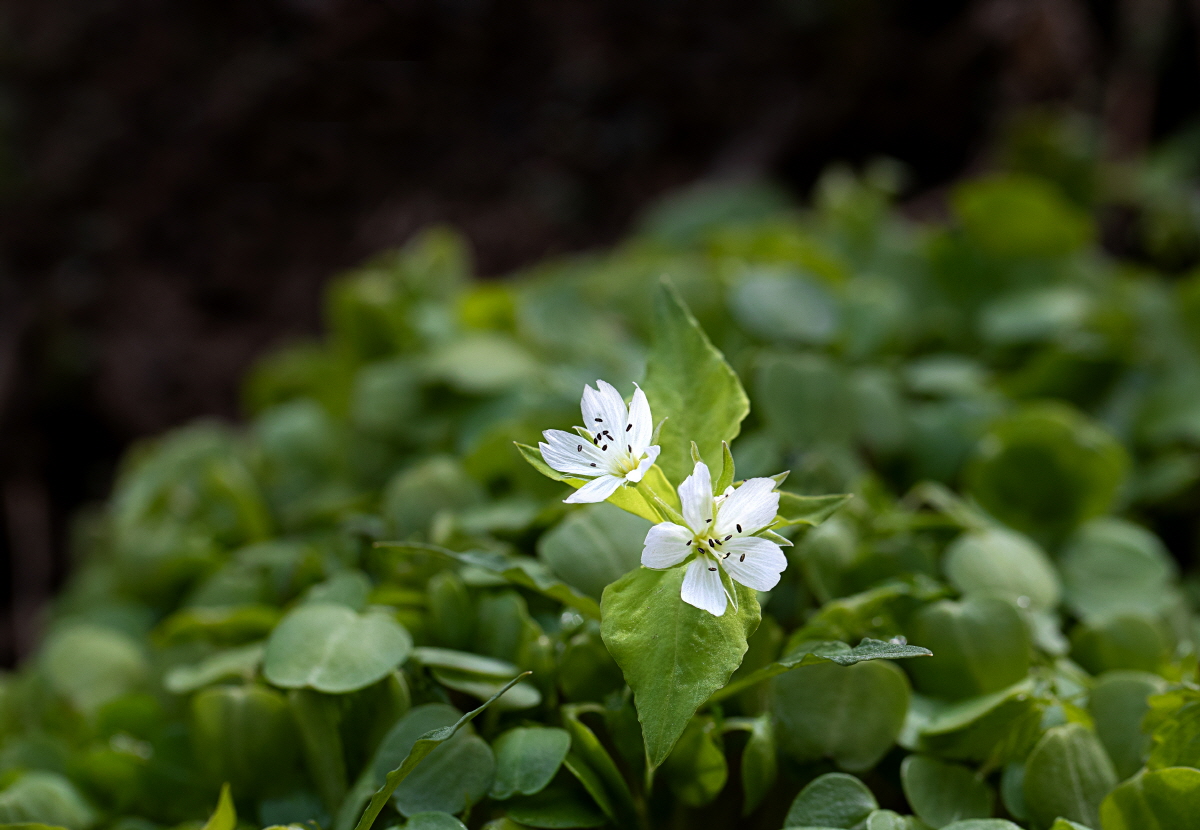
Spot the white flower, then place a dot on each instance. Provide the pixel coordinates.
(612, 448)
(720, 531)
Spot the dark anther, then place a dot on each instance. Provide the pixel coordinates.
(708, 521)
(593, 463)
(689, 542)
(629, 448)
(599, 420)
(711, 543)
(579, 448)
(742, 558)
(604, 448)
(730, 536)
(739, 527)
(628, 427)
(712, 569)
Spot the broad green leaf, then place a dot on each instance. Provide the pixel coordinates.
(1166, 799)
(1117, 704)
(594, 547)
(696, 769)
(332, 649)
(1068, 774)
(221, 626)
(807, 510)
(941, 793)
(244, 735)
(553, 807)
(994, 728)
(523, 571)
(45, 798)
(760, 767)
(784, 305)
(888, 820)
(814, 653)
(420, 750)
(689, 383)
(1124, 642)
(673, 655)
(980, 645)
(232, 664)
(90, 665)
(832, 800)
(1112, 568)
(317, 719)
(527, 759)
(433, 820)
(224, 817)
(1176, 741)
(998, 562)
(1046, 469)
(851, 714)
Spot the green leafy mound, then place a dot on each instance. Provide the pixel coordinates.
(1009, 408)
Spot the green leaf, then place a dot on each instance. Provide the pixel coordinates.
(612, 793)
(244, 735)
(433, 820)
(523, 571)
(90, 665)
(1113, 568)
(45, 798)
(478, 676)
(527, 759)
(994, 728)
(982, 824)
(1125, 642)
(236, 663)
(1117, 704)
(759, 765)
(1176, 741)
(594, 547)
(332, 649)
(224, 817)
(980, 645)
(1166, 799)
(1064, 824)
(727, 475)
(999, 562)
(888, 820)
(941, 793)
(832, 800)
(553, 807)
(1068, 774)
(816, 652)
(689, 383)
(673, 655)
(807, 510)
(317, 718)
(696, 770)
(851, 714)
(421, 749)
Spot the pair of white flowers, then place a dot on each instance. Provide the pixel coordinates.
(613, 449)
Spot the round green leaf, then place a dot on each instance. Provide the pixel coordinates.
(979, 646)
(851, 714)
(1005, 564)
(941, 793)
(1125, 642)
(332, 649)
(1112, 567)
(1068, 774)
(1117, 704)
(90, 665)
(433, 820)
(594, 547)
(1046, 469)
(527, 759)
(45, 798)
(832, 800)
(1166, 799)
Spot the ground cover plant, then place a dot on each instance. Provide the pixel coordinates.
(408, 593)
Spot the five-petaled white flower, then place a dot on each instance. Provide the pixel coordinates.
(612, 448)
(720, 530)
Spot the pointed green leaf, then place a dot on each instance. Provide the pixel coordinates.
(807, 510)
(689, 382)
(224, 817)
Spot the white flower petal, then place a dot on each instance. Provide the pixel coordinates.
(702, 586)
(696, 496)
(753, 506)
(754, 562)
(666, 545)
(571, 454)
(597, 489)
(640, 426)
(604, 409)
(645, 464)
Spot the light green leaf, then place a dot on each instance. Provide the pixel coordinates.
(527, 758)
(1166, 799)
(90, 665)
(235, 663)
(807, 510)
(1117, 704)
(593, 547)
(224, 817)
(46, 798)
(1176, 741)
(433, 820)
(689, 383)
(1064, 824)
(478, 676)
(1113, 567)
(523, 571)
(759, 764)
(999, 562)
(994, 728)
(673, 655)
(1125, 642)
(332, 649)
(814, 653)
(1068, 774)
(982, 824)
(851, 714)
(421, 749)
(941, 793)
(980, 645)
(832, 800)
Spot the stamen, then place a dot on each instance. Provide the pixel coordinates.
(593, 463)
(599, 420)
(739, 527)
(712, 569)
(579, 448)
(711, 543)
(708, 521)
(689, 542)
(604, 448)
(629, 448)
(742, 558)
(730, 536)
(628, 427)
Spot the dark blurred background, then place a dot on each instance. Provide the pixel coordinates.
(178, 179)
